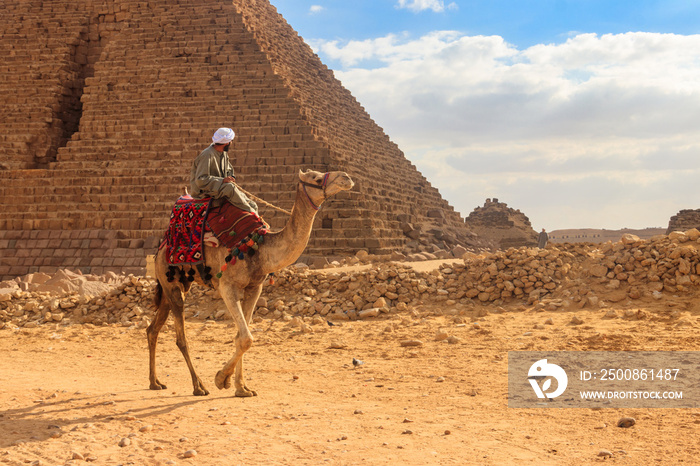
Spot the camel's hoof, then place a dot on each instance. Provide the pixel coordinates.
(245, 392)
(200, 391)
(222, 381)
(157, 386)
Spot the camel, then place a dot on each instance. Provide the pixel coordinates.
(240, 284)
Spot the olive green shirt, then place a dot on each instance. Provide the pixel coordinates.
(207, 179)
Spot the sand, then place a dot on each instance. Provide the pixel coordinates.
(82, 391)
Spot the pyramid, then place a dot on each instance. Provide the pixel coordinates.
(106, 103)
(502, 225)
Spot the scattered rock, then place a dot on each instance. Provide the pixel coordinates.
(605, 454)
(575, 320)
(411, 343)
(626, 422)
(440, 336)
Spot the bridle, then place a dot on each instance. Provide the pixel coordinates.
(315, 186)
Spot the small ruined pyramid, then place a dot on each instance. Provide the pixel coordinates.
(686, 219)
(106, 103)
(506, 227)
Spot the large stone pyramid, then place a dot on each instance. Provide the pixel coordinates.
(106, 102)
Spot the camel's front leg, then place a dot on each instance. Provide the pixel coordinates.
(244, 340)
(250, 299)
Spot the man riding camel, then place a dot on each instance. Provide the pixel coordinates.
(212, 174)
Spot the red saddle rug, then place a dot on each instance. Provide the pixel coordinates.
(183, 239)
(240, 231)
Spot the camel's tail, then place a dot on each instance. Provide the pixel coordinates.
(158, 295)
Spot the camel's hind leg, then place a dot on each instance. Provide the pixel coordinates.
(176, 296)
(162, 312)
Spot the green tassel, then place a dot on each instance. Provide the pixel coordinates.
(218, 275)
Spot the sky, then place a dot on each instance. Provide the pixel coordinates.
(579, 113)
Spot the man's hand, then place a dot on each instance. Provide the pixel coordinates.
(230, 179)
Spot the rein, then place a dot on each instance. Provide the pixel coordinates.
(310, 185)
(304, 183)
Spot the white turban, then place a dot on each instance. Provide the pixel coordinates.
(223, 136)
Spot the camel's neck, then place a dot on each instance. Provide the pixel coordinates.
(284, 247)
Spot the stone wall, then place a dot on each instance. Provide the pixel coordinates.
(109, 102)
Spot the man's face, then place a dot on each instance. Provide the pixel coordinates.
(226, 147)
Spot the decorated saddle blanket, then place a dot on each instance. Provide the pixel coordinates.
(183, 239)
(194, 222)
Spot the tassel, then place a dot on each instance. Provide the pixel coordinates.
(218, 275)
(272, 279)
(170, 274)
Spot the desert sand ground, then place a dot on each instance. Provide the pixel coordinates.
(78, 393)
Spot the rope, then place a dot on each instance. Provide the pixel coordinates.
(256, 199)
(261, 201)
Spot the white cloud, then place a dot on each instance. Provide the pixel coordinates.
(417, 6)
(316, 9)
(481, 118)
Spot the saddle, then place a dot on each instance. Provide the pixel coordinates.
(192, 220)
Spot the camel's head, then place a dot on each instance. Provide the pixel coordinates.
(320, 186)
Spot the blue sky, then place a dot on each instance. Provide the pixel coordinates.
(520, 22)
(579, 113)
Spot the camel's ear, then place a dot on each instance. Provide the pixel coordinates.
(301, 174)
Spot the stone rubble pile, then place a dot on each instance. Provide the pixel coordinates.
(125, 302)
(558, 277)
